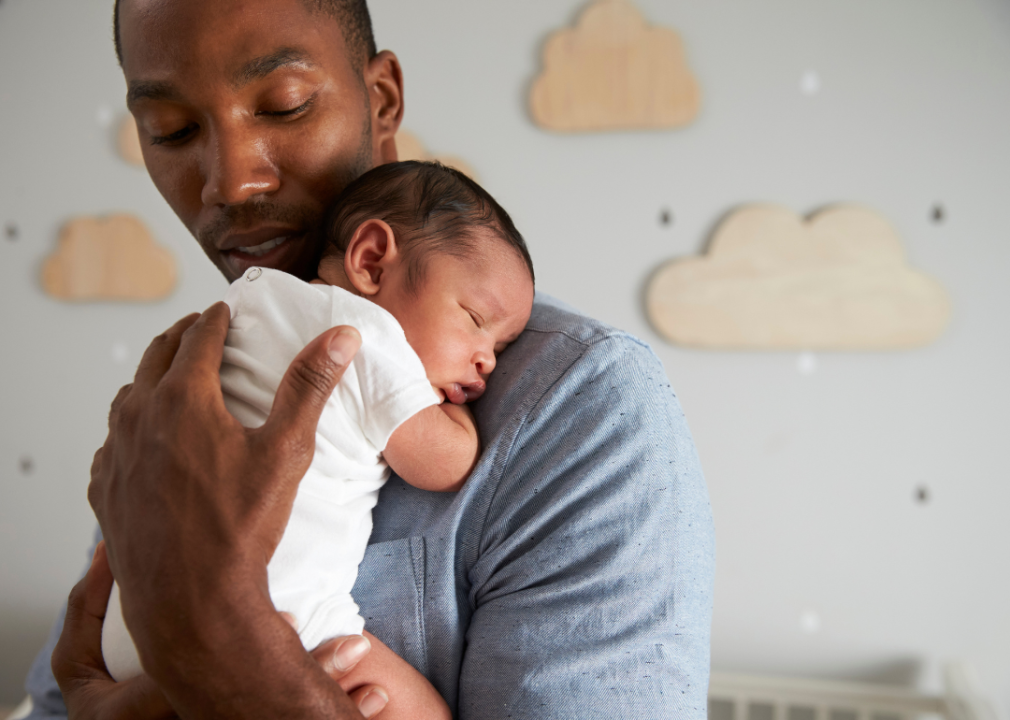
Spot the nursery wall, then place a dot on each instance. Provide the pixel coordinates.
(860, 499)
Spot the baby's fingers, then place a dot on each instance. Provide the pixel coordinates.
(370, 700)
(340, 655)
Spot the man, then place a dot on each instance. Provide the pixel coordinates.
(572, 575)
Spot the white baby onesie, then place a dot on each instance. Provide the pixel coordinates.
(273, 316)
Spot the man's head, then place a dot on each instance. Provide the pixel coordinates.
(254, 114)
(352, 16)
(432, 247)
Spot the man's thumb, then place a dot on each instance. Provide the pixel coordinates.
(310, 381)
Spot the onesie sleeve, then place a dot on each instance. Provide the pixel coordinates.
(390, 377)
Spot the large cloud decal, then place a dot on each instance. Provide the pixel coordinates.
(614, 72)
(770, 280)
(113, 258)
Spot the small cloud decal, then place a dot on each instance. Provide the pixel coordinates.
(129, 142)
(614, 72)
(410, 147)
(112, 258)
(772, 280)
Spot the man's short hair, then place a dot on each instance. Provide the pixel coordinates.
(352, 16)
(431, 208)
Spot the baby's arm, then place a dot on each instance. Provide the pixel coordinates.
(435, 449)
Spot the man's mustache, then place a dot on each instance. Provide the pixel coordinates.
(253, 215)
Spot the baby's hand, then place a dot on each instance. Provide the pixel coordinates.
(461, 415)
(338, 657)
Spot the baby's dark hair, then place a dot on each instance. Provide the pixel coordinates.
(431, 209)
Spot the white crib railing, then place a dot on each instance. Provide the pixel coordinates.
(757, 697)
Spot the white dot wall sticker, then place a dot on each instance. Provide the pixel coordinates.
(806, 364)
(810, 622)
(104, 116)
(120, 353)
(810, 83)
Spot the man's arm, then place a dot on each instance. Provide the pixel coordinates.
(592, 592)
(193, 575)
(436, 448)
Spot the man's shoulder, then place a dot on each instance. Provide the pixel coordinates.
(562, 343)
(551, 315)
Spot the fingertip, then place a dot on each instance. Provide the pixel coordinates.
(344, 345)
(350, 652)
(372, 701)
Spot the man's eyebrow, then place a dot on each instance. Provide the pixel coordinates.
(151, 91)
(262, 66)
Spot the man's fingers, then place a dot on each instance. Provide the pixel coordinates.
(308, 383)
(95, 588)
(159, 355)
(80, 643)
(370, 700)
(202, 345)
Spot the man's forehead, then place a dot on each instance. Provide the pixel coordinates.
(257, 29)
(238, 41)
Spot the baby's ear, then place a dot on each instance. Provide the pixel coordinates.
(371, 253)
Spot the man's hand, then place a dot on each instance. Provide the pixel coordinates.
(88, 689)
(90, 692)
(192, 506)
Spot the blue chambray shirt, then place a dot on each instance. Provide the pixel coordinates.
(572, 575)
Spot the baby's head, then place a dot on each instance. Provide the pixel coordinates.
(432, 247)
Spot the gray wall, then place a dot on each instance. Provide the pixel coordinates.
(827, 563)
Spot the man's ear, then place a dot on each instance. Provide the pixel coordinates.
(371, 253)
(384, 80)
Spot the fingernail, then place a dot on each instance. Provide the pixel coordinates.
(372, 703)
(350, 652)
(342, 346)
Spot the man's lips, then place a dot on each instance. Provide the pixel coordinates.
(257, 241)
(278, 249)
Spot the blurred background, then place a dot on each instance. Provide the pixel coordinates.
(861, 500)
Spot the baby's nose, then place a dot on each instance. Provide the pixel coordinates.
(485, 363)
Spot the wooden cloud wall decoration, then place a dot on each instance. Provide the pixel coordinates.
(772, 280)
(128, 141)
(112, 258)
(410, 147)
(614, 72)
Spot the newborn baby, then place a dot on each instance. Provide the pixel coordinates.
(434, 275)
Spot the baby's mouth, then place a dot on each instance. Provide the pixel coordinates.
(461, 394)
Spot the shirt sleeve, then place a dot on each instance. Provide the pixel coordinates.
(592, 595)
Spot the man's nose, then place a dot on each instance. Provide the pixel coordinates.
(237, 167)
